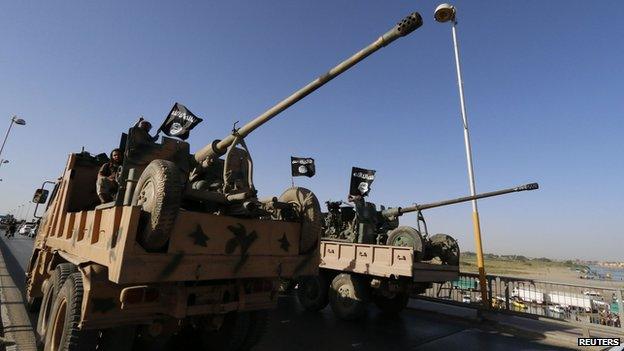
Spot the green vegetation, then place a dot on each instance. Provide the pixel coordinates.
(513, 264)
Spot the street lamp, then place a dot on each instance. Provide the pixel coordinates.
(2, 161)
(447, 13)
(15, 120)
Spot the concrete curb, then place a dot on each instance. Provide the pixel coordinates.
(18, 332)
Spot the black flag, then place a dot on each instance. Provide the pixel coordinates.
(302, 166)
(179, 122)
(361, 180)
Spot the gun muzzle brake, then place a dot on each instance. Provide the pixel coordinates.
(409, 24)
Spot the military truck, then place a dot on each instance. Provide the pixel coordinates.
(186, 244)
(367, 256)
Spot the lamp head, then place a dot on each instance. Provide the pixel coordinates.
(19, 121)
(444, 13)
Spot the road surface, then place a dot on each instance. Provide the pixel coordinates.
(294, 329)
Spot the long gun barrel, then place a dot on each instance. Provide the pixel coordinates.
(397, 211)
(403, 28)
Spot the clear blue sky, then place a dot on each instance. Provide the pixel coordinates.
(544, 88)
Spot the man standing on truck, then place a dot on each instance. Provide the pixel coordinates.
(144, 125)
(107, 177)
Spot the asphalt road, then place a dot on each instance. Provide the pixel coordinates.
(294, 329)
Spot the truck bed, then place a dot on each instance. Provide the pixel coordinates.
(382, 261)
(202, 246)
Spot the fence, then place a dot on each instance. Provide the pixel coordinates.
(589, 306)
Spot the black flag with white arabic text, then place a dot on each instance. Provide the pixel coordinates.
(361, 180)
(179, 122)
(302, 166)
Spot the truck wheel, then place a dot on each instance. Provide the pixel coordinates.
(55, 282)
(391, 305)
(63, 332)
(407, 236)
(159, 193)
(308, 210)
(445, 247)
(313, 292)
(231, 335)
(348, 296)
(258, 326)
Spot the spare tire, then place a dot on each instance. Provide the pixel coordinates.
(446, 248)
(159, 193)
(407, 236)
(308, 211)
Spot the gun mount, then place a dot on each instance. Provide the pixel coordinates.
(363, 223)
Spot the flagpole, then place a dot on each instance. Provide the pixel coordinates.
(292, 178)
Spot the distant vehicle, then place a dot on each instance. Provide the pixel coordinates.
(528, 295)
(556, 309)
(570, 300)
(593, 294)
(598, 303)
(26, 229)
(466, 299)
(518, 304)
(498, 302)
(464, 284)
(33, 231)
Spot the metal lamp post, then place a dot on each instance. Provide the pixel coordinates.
(15, 120)
(446, 13)
(3, 161)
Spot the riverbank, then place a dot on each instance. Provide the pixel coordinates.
(553, 271)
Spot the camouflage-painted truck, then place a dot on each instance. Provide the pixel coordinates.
(185, 245)
(367, 256)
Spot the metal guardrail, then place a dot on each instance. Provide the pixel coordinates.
(591, 307)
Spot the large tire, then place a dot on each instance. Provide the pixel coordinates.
(391, 305)
(313, 292)
(407, 236)
(63, 331)
(258, 326)
(307, 207)
(55, 282)
(446, 248)
(159, 193)
(349, 296)
(232, 334)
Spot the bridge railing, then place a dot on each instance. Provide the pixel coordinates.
(590, 306)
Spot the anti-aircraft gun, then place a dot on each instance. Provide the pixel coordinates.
(366, 256)
(186, 242)
(363, 223)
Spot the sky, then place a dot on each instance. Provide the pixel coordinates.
(543, 83)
